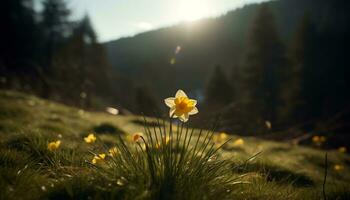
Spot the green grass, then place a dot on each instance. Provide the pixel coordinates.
(28, 170)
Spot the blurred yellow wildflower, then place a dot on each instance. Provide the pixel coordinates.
(136, 137)
(238, 142)
(338, 167)
(98, 158)
(342, 149)
(54, 145)
(318, 140)
(181, 106)
(221, 137)
(90, 138)
(113, 151)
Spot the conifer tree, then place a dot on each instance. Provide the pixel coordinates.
(264, 60)
(219, 92)
(291, 94)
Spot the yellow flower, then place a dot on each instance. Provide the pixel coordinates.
(113, 151)
(90, 138)
(221, 137)
(316, 139)
(98, 158)
(54, 145)
(342, 149)
(136, 137)
(181, 106)
(338, 167)
(238, 142)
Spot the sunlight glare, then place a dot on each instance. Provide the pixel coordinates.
(192, 10)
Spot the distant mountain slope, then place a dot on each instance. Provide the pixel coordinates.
(208, 42)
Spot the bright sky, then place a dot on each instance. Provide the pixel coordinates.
(113, 19)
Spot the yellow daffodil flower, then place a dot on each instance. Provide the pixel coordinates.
(98, 158)
(238, 142)
(54, 145)
(90, 138)
(338, 167)
(342, 149)
(113, 151)
(181, 106)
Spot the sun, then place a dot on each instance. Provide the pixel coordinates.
(191, 10)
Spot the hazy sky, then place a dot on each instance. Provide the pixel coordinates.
(113, 19)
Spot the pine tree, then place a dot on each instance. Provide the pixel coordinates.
(291, 93)
(55, 23)
(219, 92)
(82, 66)
(264, 60)
(18, 38)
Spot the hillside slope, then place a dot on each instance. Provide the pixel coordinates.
(27, 124)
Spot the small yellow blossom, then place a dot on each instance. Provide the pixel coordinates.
(315, 138)
(90, 138)
(342, 149)
(136, 137)
(221, 137)
(54, 145)
(98, 158)
(181, 106)
(238, 142)
(318, 140)
(338, 167)
(113, 152)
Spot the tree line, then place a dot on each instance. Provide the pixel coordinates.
(301, 84)
(47, 53)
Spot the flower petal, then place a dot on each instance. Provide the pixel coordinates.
(180, 93)
(172, 111)
(186, 116)
(193, 111)
(193, 102)
(169, 101)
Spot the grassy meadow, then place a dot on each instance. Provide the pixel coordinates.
(192, 164)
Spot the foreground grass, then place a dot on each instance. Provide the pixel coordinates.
(29, 171)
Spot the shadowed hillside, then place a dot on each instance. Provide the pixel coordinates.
(208, 42)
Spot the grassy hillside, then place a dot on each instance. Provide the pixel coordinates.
(28, 170)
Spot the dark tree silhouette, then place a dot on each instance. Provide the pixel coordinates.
(219, 92)
(264, 60)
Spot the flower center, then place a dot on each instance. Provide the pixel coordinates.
(183, 105)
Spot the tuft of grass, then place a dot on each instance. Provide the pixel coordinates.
(171, 163)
